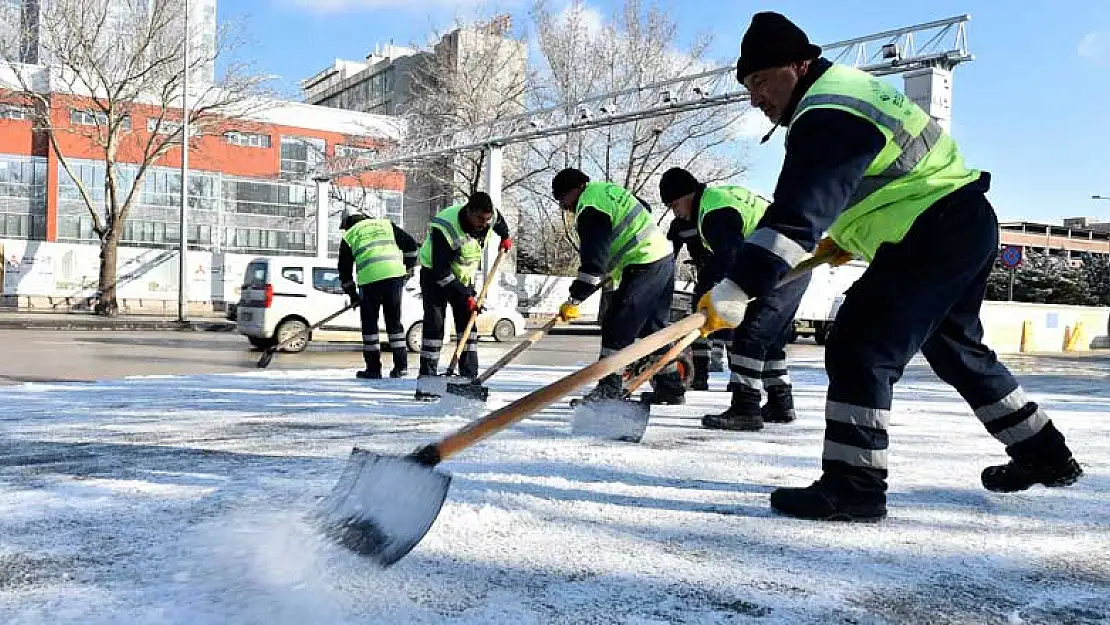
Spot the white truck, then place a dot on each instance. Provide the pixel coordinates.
(822, 299)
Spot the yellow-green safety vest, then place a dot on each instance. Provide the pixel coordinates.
(377, 256)
(468, 250)
(636, 238)
(919, 165)
(750, 206)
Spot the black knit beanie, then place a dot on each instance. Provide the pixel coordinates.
(772, 41)
(567, 179)
(675, 183)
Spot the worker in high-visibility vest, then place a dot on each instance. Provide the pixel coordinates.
(723, 216)
(618, 237)
(449, 259)
(866, 164)
(382, 256)
(709, 352)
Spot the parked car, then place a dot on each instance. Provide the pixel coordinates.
(282, 297)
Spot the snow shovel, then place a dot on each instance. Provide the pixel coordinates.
(477, 390)
(268, 355)
(621, 419)
(427, 390)
(626, 421)
(383, 504)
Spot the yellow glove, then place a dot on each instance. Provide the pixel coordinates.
(724, 307)
(568, 311)
(827, 246)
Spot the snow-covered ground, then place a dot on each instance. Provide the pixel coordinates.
(185, 500)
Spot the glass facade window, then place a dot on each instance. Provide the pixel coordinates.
(22, 197)
(79, 117)
(300, 155)
(248, 139)
(15, 112)
(346, 200)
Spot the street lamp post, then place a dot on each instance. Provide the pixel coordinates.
(183, 269)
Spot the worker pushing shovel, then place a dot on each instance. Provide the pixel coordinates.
(624, 420)
(449, 259)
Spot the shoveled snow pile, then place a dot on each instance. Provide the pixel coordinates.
(187, 500)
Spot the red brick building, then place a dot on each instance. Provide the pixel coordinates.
(249, 190)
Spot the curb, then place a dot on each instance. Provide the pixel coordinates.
(109, 324)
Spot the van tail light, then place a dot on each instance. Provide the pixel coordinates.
(266, 303)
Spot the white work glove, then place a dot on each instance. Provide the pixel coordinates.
(724, 307)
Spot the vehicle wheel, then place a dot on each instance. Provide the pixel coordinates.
(415, 336)
(504, 330)
(821, 333)
(287, 329)
(261, 342)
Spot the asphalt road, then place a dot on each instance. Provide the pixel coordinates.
(53, 355)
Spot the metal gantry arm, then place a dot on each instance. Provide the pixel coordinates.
(885, 53)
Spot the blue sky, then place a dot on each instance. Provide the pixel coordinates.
(1033, 108)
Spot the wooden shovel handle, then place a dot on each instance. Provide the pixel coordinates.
(517, 349)
(535, 401)
(663, 361)
(474, 315)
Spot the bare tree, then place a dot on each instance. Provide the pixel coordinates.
(585, 56)
(119, 63)
(475, 74)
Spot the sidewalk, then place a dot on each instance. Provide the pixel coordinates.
(23, 320)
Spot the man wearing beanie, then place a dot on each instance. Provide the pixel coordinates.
(618, 238)
(724, 216)
(866, 164)
(449, 259)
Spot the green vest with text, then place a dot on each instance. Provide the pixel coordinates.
(468, 250)
(750, 206)
(636, 238)
(919, 165)
(374, 247)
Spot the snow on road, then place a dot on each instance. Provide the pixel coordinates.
(186, 500)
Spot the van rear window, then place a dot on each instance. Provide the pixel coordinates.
(255, 275)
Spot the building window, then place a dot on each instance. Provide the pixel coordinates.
(22, 197)
(248, 139)
(15, 112)
(79, 117)
(342, 151)
(167, 127)
(300, 156)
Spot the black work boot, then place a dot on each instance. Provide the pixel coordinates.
(667, 390)
(400, 363)
(373, 370)
(700, 381)
(780, 405)
(1016, 476)
(609, 387)
(742, 415)
(821, 501)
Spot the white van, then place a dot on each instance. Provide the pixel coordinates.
(283, 296)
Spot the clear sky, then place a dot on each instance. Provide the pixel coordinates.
(1033, 108)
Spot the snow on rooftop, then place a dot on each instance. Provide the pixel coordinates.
(301, 115)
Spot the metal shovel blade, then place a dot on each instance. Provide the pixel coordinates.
(611, 419)
(383, 505)
(469, 390)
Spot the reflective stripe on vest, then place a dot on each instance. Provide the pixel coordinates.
(636, 238)
(919, 165)
(750, 206)
(377, 256)
(468, 250)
